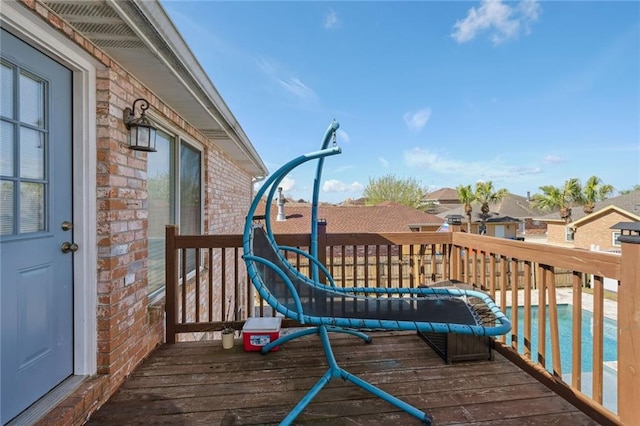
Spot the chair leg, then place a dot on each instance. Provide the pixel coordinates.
(360, 334)
(283, 339)
(336, 371)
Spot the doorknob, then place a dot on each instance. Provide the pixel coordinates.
(66, 225)
(66, 247)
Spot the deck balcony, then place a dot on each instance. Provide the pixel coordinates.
(191, 379)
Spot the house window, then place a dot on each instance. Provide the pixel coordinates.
(614, 238)
(570, 233)
(174, 184)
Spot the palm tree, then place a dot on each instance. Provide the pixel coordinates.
(563, 198)
(594, 190)
(486, 194)
(628, 191)
(466, 197)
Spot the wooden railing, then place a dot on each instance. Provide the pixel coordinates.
(200, 303)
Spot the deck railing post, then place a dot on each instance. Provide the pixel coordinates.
(629, 328)
(322, 248)
(171, 280)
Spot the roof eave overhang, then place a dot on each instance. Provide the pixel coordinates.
(602, 212)
(169, 69)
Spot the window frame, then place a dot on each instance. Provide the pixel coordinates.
(569, 234)
(614, 239)
(178, 138)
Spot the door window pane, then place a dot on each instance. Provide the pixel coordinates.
(6, 208)
(6, 91)
(161, 196)
(31, 154)
(31, 207)
(6, 148)
(31, 101)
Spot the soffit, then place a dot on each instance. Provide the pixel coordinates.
(143, 40)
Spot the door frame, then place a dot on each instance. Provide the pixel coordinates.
(28, 26)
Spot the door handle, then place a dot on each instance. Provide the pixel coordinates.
(66, 225)
(67, 247)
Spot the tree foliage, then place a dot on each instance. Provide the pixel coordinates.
(466, 196)
(594, 190)
(406, 191)
(562, 198)
(486, 194)
(572, 193)
(632, 189)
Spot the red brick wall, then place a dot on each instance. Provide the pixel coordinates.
(598, 231)
(556, 233)
(128, 328)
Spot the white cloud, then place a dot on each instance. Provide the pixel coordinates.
(504, 21)
(552, 159)
(383, 162)
(331, 20)
(291, 84)
(496, 169)
(297, 88)
(342, 136)
(334, 185)
(417, 120)
(287, 184)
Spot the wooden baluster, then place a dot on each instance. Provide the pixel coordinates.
(527, 309)
(514, 303)
(542, 315)
(598, 337)
(553, 322)
(576, 341)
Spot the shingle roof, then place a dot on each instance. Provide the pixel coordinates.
(629, 202)
(385, 217)
(514, 206)
(445, 194)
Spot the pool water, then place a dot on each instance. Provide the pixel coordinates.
(610, 348)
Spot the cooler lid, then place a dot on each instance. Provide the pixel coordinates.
(262, 324)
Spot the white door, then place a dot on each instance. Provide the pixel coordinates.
(36, 235)
(499, 231)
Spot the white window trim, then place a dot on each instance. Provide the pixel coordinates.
(614, 239)
(32, 30)
(568, 230)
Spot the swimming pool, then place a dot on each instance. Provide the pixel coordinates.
(610, 349)
(610, 344)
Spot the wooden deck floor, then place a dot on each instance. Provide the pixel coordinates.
(200, 383)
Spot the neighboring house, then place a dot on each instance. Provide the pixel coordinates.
(441, 200)
(593, 231)
(508, 218)
(79, 319)
(384, 217)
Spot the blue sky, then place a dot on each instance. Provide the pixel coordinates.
(520, 93)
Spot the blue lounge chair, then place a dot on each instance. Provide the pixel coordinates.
(325, 308)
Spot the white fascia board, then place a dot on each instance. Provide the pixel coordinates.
(160, 22)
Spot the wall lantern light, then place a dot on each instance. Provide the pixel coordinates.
(142, 132)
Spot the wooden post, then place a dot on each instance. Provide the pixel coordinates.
(322, 249)
(629, 327)
(171, 279)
